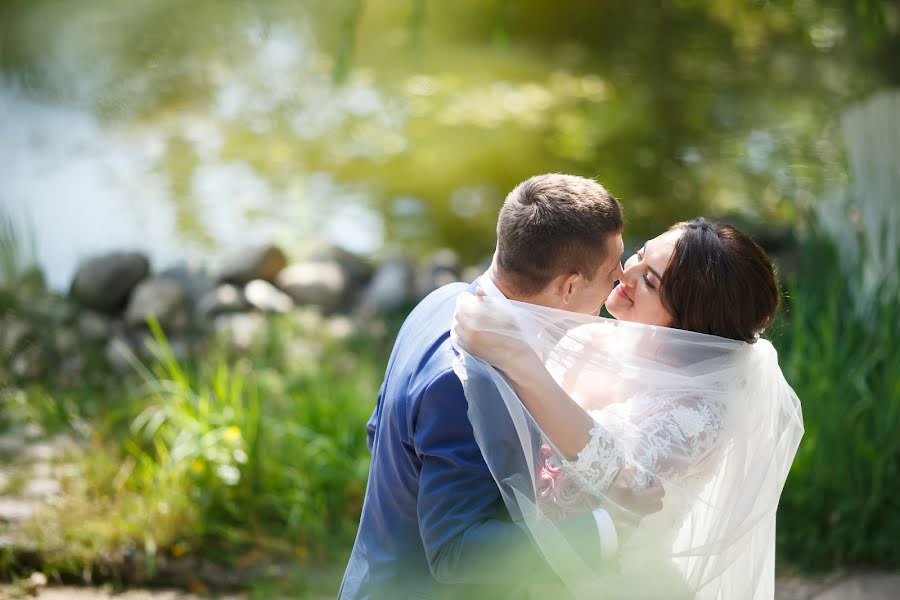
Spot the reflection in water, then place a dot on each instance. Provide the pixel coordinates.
(186, 130)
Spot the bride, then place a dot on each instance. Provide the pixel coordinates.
(677, 402)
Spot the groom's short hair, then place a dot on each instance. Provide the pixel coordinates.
(551, 225)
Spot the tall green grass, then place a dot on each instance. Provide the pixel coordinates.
(840, 348)
(840, 505)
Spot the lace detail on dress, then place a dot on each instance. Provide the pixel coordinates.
(658, 434)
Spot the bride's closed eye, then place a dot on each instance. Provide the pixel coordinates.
(645, 276)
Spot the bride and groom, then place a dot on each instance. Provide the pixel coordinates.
(522, 445)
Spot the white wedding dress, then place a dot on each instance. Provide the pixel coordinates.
(710, 420)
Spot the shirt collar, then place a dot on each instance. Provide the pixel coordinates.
(490, 288)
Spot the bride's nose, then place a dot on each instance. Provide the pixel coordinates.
(627, 274)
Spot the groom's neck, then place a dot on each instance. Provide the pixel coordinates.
(505, 289)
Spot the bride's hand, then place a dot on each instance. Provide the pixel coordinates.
(627, 506)
(483, 330)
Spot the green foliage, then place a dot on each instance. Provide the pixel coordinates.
(241, 457)
(840, 503)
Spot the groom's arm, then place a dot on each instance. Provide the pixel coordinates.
(458, 501)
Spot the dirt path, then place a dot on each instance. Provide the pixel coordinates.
(874, 586)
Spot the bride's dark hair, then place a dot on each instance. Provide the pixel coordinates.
(719, 281)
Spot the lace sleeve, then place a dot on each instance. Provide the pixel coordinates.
(665, 435)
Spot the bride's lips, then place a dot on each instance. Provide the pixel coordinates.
(620, 289)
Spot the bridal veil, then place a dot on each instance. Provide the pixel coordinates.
(710, 420)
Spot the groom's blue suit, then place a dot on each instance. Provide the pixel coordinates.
(433, 522)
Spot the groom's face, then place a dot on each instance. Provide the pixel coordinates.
(587, 296)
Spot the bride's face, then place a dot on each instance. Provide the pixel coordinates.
(636, 298)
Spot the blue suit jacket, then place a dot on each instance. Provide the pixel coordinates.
(433, 523)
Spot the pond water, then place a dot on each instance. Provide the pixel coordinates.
(191, 129)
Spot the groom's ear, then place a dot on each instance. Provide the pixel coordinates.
(568, 286)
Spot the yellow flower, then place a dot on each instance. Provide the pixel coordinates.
(232, 434)
(198, 466)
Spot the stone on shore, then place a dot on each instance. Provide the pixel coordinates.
(439, 269)
(266, 297)
(225, 298)
(393, 287)
(193, 277)
(163, 299)
(105, 282)
(257, 262)
(324, 284)
(358, 269)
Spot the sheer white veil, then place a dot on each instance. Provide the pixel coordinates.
(715, 534)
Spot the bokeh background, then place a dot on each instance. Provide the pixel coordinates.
(369, 144)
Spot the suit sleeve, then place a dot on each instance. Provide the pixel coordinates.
(460, 511)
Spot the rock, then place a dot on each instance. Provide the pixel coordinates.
(34, 584)
(225, 298)
(93, 326)
(193, 277)
(259, 262)
(240, 329)
(439, 269)
(15, 332)
(266, 297)
(323, 284)
(105, 282)
(163, 299)
(392, 288)
(358, 269)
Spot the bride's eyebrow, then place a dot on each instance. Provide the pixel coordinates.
(652, 270)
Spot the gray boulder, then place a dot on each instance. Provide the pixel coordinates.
(225, 298)
(438, 270)
(162, 298)
(358, 269)
(105, 282)
(266, 297)
(392, 288)
(258, 262)
(324, 284)
(193, 277)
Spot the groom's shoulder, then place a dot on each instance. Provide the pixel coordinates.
(435, 311)
(423, 343)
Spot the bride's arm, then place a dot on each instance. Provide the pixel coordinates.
(567, 426)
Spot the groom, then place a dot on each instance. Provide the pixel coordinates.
(433, 522)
